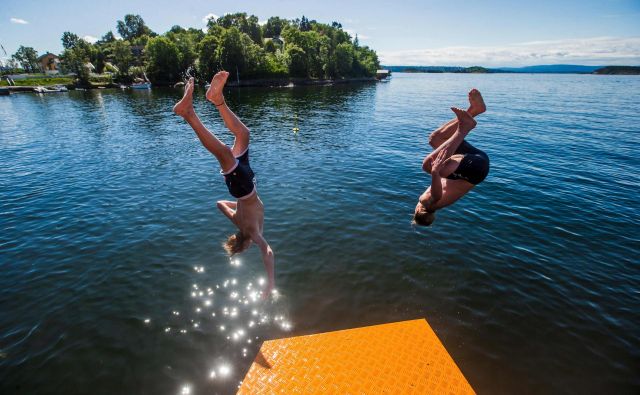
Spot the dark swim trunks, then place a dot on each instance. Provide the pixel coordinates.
(474, 166)
(240, 179)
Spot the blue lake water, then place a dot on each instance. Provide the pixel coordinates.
(114, 279)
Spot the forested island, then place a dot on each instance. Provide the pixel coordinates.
(540, 69)
(299, 49)
(619, 70)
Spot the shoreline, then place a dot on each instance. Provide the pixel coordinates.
(290, 82)
(266, 83)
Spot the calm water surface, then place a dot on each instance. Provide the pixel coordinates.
(114, 281)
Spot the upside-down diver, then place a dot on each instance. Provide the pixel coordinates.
(455, 165)
(247, 212)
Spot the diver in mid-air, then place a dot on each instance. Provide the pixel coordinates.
(455, 165)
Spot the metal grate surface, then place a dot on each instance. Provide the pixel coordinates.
(397, 358)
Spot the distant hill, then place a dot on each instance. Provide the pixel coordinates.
(437, 69)
(554, 68)
(623, 70)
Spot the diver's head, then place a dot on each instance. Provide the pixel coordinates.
(237, 243)
(423, 217)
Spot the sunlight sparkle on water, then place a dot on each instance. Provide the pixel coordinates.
(239, 296)
(224, 370)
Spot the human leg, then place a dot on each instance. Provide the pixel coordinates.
(231, 121)
(464, 124)
(184, 108)
(444, 132)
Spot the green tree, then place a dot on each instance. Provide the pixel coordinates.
(163, 60)
(298, 66)
(274, 26)
(255, 58)
(77, 59)
(27, 57)
(69, 40)
(79, 55)
(187, 43)
(305, 25)
(367, 62)
(109, 37)
(248, 25)
(344, 59)
(122, 57)
(209, 56)
(133, 27)
(269, 46)
(276, 64)
(300, 48)
(100, 62)
(231, 51)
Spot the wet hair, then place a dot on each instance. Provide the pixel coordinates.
(424, 218)
(236, 243)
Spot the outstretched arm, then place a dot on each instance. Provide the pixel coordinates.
(267, 258)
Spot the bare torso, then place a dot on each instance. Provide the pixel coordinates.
(249, 215)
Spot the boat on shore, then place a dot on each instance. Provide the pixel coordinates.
(50, 89)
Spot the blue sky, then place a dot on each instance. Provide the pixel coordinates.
(427, 32)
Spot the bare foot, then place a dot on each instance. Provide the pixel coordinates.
(214, 93)
(476, 103)
(465, 120)
(185, 106)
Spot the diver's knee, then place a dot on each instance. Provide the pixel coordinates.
(426, 165)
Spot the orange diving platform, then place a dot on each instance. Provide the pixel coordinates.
(397, 358)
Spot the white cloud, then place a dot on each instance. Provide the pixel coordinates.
(19, 21)
(262, 23)
(210, 15)
(590, 51)
(353, 34)
(90, 39)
